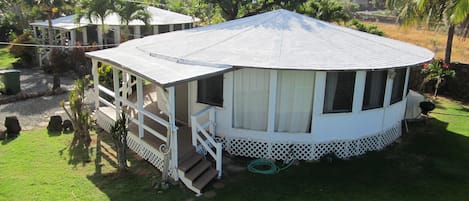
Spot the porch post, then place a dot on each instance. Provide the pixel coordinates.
(95, 82)
(155, 29)
(117, 102)
(140, 107)
(117, 35)
(171, 27)
(137, 32)
(35, 32)
(73, 37)
(100, 36)
(85, 35)
(173, 128)
(43, 33)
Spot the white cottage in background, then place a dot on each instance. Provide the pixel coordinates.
(276, 85)
(69, 31)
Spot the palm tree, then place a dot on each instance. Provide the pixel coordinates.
(50, 7)
(434, 12)
(129, 11)
(96, 9)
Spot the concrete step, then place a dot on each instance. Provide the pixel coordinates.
(197, 170)
(205, 178)
(190, 162)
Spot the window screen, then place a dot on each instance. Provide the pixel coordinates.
(375, 86)
(398, 85)
(339, 92)
(210, 91)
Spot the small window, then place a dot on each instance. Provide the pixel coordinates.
(339, 92)
(398, 85)
(210, 91)
(375, 86)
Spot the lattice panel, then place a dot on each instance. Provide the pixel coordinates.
(148, 153)
(139, 146)
(305, 151)
(103, 121)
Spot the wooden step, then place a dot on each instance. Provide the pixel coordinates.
(190, 162)
(205, 178)
(197, 170)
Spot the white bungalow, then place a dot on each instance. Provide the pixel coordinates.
(69, 31)
(278, 85)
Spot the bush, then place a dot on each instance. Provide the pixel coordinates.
(59, 61)
(25, 53)
(372, 29)
(330, 10)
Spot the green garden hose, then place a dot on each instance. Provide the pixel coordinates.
(272, 168)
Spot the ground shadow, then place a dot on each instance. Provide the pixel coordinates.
(54, 133)
(136, 184)
(7, 140)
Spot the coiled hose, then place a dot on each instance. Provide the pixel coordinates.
(272, 168)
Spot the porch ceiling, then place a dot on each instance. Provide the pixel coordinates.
(163, 71)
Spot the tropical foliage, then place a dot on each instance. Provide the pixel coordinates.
(434, 13)
(119, 136)
(129, 11)
(360, 26)
(330, 10)
(79, 113)
(96, 9)
(26, 54)
(436, 70)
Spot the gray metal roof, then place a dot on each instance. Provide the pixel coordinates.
(278, 39)
(158, 17)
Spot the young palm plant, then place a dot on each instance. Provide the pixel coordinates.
(129, 11)
(96, 9)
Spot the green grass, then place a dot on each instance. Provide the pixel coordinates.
(429, 163)
(6, 60)
(39, 166)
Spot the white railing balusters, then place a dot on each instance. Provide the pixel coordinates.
(209, 143)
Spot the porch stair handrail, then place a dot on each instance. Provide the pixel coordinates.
(206, 139)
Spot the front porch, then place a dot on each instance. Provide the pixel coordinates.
(159, 127)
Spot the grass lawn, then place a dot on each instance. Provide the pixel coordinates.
(433, 40)
(429, 163)
(5, 58)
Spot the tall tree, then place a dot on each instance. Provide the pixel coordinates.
(434, 13)
(129, 11)
(100, 9)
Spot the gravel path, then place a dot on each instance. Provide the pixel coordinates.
(35, 112)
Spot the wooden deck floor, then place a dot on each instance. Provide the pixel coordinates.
(151, 105)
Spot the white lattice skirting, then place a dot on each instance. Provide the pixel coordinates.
(143, 149)
(309, 151)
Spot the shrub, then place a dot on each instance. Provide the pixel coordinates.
(59, 61)
(436, 70)
(372, 29)
(25, 53)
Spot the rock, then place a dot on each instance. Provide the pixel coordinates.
(13, 127)
(55, 124)
(67, 126)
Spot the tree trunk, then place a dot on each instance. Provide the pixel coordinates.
(449, 44)
(49, 31)
(56, 82)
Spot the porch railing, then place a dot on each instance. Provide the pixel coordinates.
(143, 113)
(203, 134)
